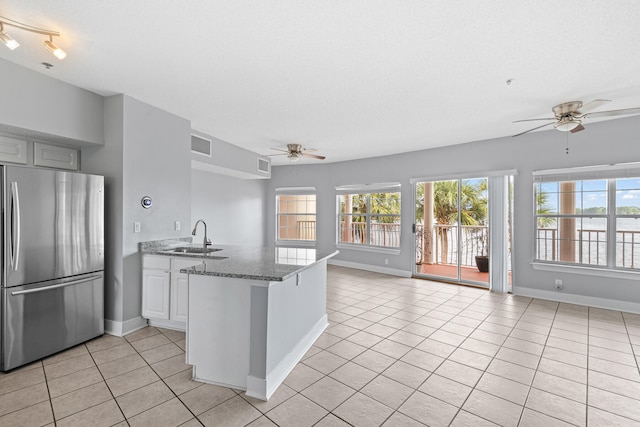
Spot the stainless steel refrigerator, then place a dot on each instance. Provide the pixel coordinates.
(52, 262)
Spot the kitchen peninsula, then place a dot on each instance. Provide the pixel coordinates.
(252, 312)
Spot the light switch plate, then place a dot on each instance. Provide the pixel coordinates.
(136, 227)
(176, 226)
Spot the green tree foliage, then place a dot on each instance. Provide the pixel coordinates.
(376, 204)
(543, 208)
(445, 200)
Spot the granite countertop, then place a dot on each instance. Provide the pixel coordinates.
(168, 247)
(256, 263)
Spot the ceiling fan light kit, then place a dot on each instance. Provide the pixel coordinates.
(570, 115)
(12, 44)
(567, 125)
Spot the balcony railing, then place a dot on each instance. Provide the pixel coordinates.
(382, 234)
(305, 230)
(591, 247)
(473, 242)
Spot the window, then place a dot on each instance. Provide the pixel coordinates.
(369, 215)
(296, 214)
(591, 220)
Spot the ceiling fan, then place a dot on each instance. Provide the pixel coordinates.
(569, 115)
(295, 151)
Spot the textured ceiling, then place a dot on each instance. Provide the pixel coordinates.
(352, 79)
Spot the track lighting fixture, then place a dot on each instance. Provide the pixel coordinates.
(57, 52)
(12, 44)
(7, 39)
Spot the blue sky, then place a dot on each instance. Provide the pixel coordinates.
(593, 193)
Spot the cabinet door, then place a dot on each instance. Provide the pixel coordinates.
(179, 296)
(13, 150)
(155, 293)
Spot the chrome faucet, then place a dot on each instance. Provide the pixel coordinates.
(206, 241)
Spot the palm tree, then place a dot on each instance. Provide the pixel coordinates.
(473, 207)
(543, 208)
(385, 205)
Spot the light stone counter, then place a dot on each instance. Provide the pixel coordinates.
(256, 263)
(252, 312)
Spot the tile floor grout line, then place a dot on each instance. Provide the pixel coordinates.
(485, 370)
(165, 383)
(46, 382)
(104, 380)
(608, 391)
(466, 313)
(586, 419)
(524, 405)
(436, 329)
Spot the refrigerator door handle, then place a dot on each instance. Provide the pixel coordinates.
(59, 285)
(14, 247)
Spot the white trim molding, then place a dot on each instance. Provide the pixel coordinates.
(369, 267)
(263, 388)
(609, 304)
(120, 329)
(589, 271)
(369, 248)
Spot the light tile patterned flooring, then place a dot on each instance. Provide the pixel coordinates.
(398, 352)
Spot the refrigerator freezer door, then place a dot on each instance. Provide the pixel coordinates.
(53, 224)
(45, 318)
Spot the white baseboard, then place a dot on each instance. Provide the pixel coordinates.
(263, 388)
(369, 267)
(120, 329)
(168, 324)
(610, 304)
(195, 377)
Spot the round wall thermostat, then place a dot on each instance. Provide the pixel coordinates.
(146, 202)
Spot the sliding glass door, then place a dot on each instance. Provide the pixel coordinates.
(463, 229)
(452, 230)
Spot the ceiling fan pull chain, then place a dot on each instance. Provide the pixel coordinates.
(567, 137)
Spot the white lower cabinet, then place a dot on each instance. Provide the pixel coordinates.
(165, 290)
(155, 287)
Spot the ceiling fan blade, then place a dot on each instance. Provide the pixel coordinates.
(610, 113)
(279, 154)
(314, 156)
(533, 120)
(309, 149)
(537, 127)
(280, 149)
(577, 128)
(592, 105)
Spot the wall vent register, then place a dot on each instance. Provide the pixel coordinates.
(264, 165)
(200, 145)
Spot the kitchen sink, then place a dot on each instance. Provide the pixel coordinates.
(194, 250)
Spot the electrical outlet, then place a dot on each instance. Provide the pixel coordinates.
(176, 225)
(136, 227)
(386, 261)
(558, 284)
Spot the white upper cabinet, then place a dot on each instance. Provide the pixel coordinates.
(13, 150)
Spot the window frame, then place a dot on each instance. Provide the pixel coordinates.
(367, 191)
(297, 192)
(611, 174)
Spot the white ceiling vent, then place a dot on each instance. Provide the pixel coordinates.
(200, 145)
(264, 165)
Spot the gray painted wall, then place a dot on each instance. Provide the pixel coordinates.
(228, 159)
(40, 106)
(147, 152)
(107, 160)
(601, 143)
(156, 163)
(233, 208)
